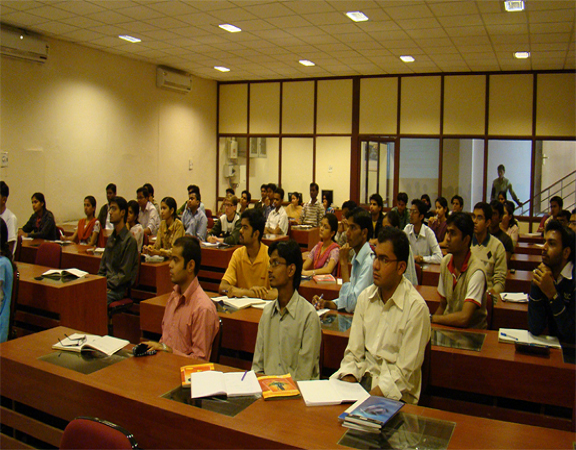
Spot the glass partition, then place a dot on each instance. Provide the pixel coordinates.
(377, 171)
(297, 165)
(419, 167)
(264, 162)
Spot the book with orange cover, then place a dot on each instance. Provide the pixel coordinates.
(186, 371)
(276, 387)
(321, 279)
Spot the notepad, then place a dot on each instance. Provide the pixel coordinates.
(105, 344)
(514, 297)
(330, 392)
(231, 384)
(512, 335)
(57, 273)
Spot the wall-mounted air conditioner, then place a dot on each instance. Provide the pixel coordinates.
(176, 80)
(23, 45)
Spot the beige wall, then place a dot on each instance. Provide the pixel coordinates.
(86, 118)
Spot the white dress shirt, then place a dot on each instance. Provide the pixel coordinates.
(149, 218)
(424, 244)
(278, 218)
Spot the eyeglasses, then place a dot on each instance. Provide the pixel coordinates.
(275, 263)
(76, 342)
(227, 205)
(383, 259)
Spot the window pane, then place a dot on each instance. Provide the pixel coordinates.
(419, 167)
(297, 154)
(263, 163)
(232, 160)
(377, 171)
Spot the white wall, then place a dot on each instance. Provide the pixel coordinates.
(86, 118)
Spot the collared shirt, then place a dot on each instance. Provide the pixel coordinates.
(491, 252)
(289, 341)
(119, 262)
(404, 217)
(388, 341)
(243, 273)
(195, 224)
(312, 213)
(278, 218)
(424, 244)
(167, 236)
(138, 232)
(476, 285)
(190, 322)
(360, 278)
(12, 225)
(506, 240)
(149, 218)
(229, 230)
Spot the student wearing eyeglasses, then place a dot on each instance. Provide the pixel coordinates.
(227, 228)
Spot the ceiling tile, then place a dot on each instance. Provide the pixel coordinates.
(412, 10)
(330, 18)
(22, 5)
(548, 38)
(161, 34)
(55, 28)
(22, 19)
(167, 23)
(475, 48)
(80, 8)
(418, 24)
(173, 8)
(441, 9)
(107, 41)
(81, 22)
(427, 33)
(467, 31)
(109, 17)
(287, 22)
(140, 13)
(505, 18)
(233, 15)
(50, 12)
(460, 21)
(81, 35)
(309, 7)
(520, 29)
(560, 15)
(272, 9)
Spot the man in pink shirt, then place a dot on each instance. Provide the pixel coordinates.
(190, 320)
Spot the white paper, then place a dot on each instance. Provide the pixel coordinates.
(106, 344)
(330, 392)
(212, 382)
(323, 311)
(512, 335)
(514, 297)
(236, 387)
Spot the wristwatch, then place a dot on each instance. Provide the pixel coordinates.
(164, 347)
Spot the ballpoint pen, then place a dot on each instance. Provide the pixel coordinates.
(244, 375)
(319, 298)
(509, 336)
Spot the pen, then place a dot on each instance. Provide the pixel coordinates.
(509, 336)
(244, 376)
(319, 298)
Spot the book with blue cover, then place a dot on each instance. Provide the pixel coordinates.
(372, 414)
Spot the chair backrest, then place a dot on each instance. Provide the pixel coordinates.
(426, 364)
(91, 432)
(18, 250)
(489, 310)
(145, 240)
(418, 273)
(13, 304)
(216, 344)
(49, 254)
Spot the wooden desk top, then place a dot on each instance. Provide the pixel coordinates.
(267, 239)
(128, 393)
(528, 248)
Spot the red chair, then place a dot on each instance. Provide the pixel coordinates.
(91, 432)
(18, 251)
(210, 219)
(125, 304)
(49, 254)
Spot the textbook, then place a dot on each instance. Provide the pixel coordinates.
(372, 414)
(331, 392)
(512, 335)
(57, 273)
(231, 384)
(79, 342)
(321, 279)
(239, 302)
(275, 387)
(186, 371)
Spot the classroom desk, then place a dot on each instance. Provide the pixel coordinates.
(214, 264)
(48, 303)
(268, 239)
(521, 261)
(530, 238)
(129, 393)
(306, 238)
(526, 248)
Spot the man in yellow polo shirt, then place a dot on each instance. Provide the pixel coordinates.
(247, 273)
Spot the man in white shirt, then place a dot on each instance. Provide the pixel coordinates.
(390, 328)
(422, 239)
(8, 217)
(277, 222)
(148, 216)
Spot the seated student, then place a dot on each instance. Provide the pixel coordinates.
(552, 294)
(103, 216)
(170, 229)
(390, 328)
(41, 224)
(191, 188)
(509, 224)
(327, 203)
(264, 201)
(294, 209)
(277, 221)
(151, 196)
(194, 219)
(229, 193)
(426, 199)
(247, 272)
(323, 258)
(376, 205)
(457, 203)
(391, 219)
(402, 210)
(489, 250)
(89, 228)
(564, 217)
(462, 283)
(556, 205)
(422, 239)
(190, 321)
(313, 210)
(8, 217)
(6, 278)
(227, 228)
(572, 224)
(437, 223)
(133, 225)
(270, 189)
(496, 231)
(502, 197)
(148, 216)
(359, 228)
(245, 200)
(289, 332)
(119, 262)
(341, 238)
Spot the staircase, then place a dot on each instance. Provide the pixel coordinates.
(565, 187)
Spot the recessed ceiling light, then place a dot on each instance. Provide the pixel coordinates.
(514, 5)
(522, 55)
(222, 69)
(407, 58)
(306, 63)
(230, 28)
(129, 38)
(357, 16)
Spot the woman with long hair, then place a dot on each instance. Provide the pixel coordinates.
(41, 224)
(171, 228)
(133, 225)
(89, 227)
(438, 223)
(323, 259)
(509, 223)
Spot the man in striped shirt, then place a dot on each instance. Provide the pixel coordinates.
(313, 210)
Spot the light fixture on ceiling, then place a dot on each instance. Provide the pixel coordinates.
(407, 58)
(514, 5)
(129, 38)
(522, 55)
(357, 16)
(222, 69)
(306, 63)
(230, 28)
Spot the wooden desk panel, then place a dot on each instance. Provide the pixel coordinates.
(521, 261)
(527, 249)
(128, 393)
(307, 238)
(80, 303)
(214, 264)
(531, 239)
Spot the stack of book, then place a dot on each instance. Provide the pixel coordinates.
(371, 414)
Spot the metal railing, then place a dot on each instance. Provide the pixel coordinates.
(565, 187)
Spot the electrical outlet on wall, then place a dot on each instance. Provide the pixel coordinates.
(4, 159)
(190, 164)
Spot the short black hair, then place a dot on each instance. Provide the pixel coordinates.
(501, 167)
(566, 214)
(150, 188)
(264, 186)
(332, 222)
(558, 200)
(135, 208)
(566, 233)
(190, 251)
(497, 206)
(144, 191)
(362, 219)
(503, 194)
(111, 187)
(193, 188)
(486, 209)
(349, 204)
(230, 191)
(463, 222)
(171, 204)
(315, 185)
(196, 193)
(459, 199)
(402, 197)
(399, 241)
(40, 197)
(290, 251)
(256, 220)
(122, 205)
(393, 218)
(378, 199)
(427, 198)
(248, 196)
(443, 202)
(91, 199)
(272, 186)
(4, 189)
(422, 208)
(280, 192)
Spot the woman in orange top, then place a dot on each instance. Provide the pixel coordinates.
(323, 258)
(88, 228)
